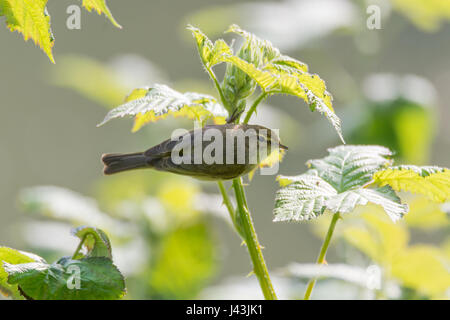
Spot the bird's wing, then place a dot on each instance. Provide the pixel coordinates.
(161, 150)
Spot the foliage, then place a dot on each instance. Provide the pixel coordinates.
(340, 181)
(336, 183)
(159, 101)
(171, 241)
(100, 7)
(256, 62)
(98, 278)
(30, 17)
(273, 72)
(434, 182)
(13, 257)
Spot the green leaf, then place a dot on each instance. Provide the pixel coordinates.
(210, 53)
(95, 241)
(279, 74)
(433, 182)
(30, 17)
(153, 104)
(13, 257)
(337, 183)
(303, 199)
(385, 197)
(100, 7)
(99, 279)
(349, 166)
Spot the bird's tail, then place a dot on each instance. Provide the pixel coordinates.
(121, 162)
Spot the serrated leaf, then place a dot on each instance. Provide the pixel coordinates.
(99, 279)
(347, 201)
(30, 17)
(336, 183)
(153, 104)
(349, 166)
(433, 182)
(13, 257)
(210, 53)
(100, 7)
(303, 199)
(279, 74)
(95, 241)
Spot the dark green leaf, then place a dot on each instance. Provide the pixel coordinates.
(98, 278)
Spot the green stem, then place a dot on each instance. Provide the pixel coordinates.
(212, 75)
(254, 248)
(79, 247)
(229, 205)
(253, 107)
(323, 252)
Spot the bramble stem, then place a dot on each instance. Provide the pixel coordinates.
(253, 107)
(323, 252)
(226, 199)
(248, 230)
(254, 248)
(229, 205)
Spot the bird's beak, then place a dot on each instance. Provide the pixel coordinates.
(283, 147)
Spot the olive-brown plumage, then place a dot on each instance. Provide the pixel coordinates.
(160, 157)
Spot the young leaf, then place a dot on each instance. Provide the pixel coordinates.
(95, 241)
(99, 279)
(100, 7)
(153, 104)
(30, 17)
(13, 257)
(276, 73)
(433, 182)
(336, 183)
(210, 53)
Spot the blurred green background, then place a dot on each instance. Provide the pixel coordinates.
(390, 87)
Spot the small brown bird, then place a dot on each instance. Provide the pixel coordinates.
(221, 158)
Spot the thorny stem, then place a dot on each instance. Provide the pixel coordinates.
(254, 248)
(323, 252)
(229, 205)
(253, 107)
